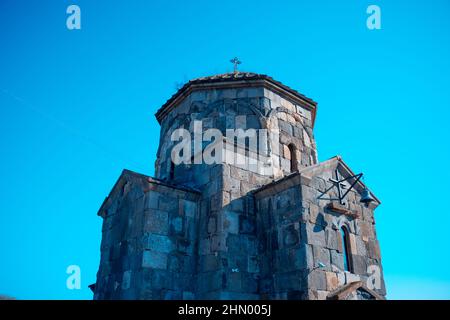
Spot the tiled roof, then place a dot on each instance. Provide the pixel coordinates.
(230, 77)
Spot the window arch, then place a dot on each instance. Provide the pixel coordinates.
(172, 170)
(345, 241)
(293, 160)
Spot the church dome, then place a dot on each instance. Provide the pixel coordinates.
(231, 79)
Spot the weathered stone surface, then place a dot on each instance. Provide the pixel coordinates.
(290, 236)
(322, 255)
(231, 222)
(314, 234)
(126, 279)
(152, 200)
(231, 230)
(317, 280)
(153, 259)
(332, 239)
(373, 249)
(337, 260)
(332, 281)
(158, 243)
(359, 264)
(156, 221)
(176, 225)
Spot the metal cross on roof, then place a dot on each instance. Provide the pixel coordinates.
(235, 61)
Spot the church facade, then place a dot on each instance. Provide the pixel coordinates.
(267, 221)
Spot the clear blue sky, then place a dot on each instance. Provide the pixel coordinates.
(76, 107)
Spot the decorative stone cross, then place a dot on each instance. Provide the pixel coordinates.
(235, 61)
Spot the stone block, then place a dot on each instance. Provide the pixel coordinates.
(212, 225)
(226, 198)
(247, 225)
(331, 237)
(175, 263)
(290, 236)
(157, 279)
(359, 264)
(156, 221)
(317, 280)
(337, 260)
(176, 225)
(285, 165)
(351, 277)
(232, 185)
(190, 208)
(204, 246)
(366, 230)
(313, 213)
(241, 122)
(231, 222)
(239, 174)
(302, 257)
(297, 132)
(126, 280)
(152, 200)
(218, 243)
(209, 262)
(253, 265)
(314, 234)
(238, 205)
(361, 246)
(168, 204)
(187, 295)
(158, 243)
(322, 295)
(286, 127)
(332, 281)
(246, 187)
(155, 260)
(322, 255)
(286, 152)
(171, 295)
(373, 249)
(352, 243)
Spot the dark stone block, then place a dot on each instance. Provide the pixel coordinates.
(247, 225)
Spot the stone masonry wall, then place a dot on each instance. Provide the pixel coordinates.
(226, 230)
(298, 233)
(228, 266)
(149, 239)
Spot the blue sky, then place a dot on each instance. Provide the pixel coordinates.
(76, 107)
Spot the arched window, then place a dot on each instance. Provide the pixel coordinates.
(293, 154)
(346, 249)
(172, 170)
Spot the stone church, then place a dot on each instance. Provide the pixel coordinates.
(290, 227)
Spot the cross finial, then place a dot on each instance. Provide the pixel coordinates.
(235, 61)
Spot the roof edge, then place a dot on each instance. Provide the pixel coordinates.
(227, 80)
(128, 173)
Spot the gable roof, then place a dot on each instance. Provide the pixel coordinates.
(235, 79)
(345, 171)
(128, 175)
(311, 171)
